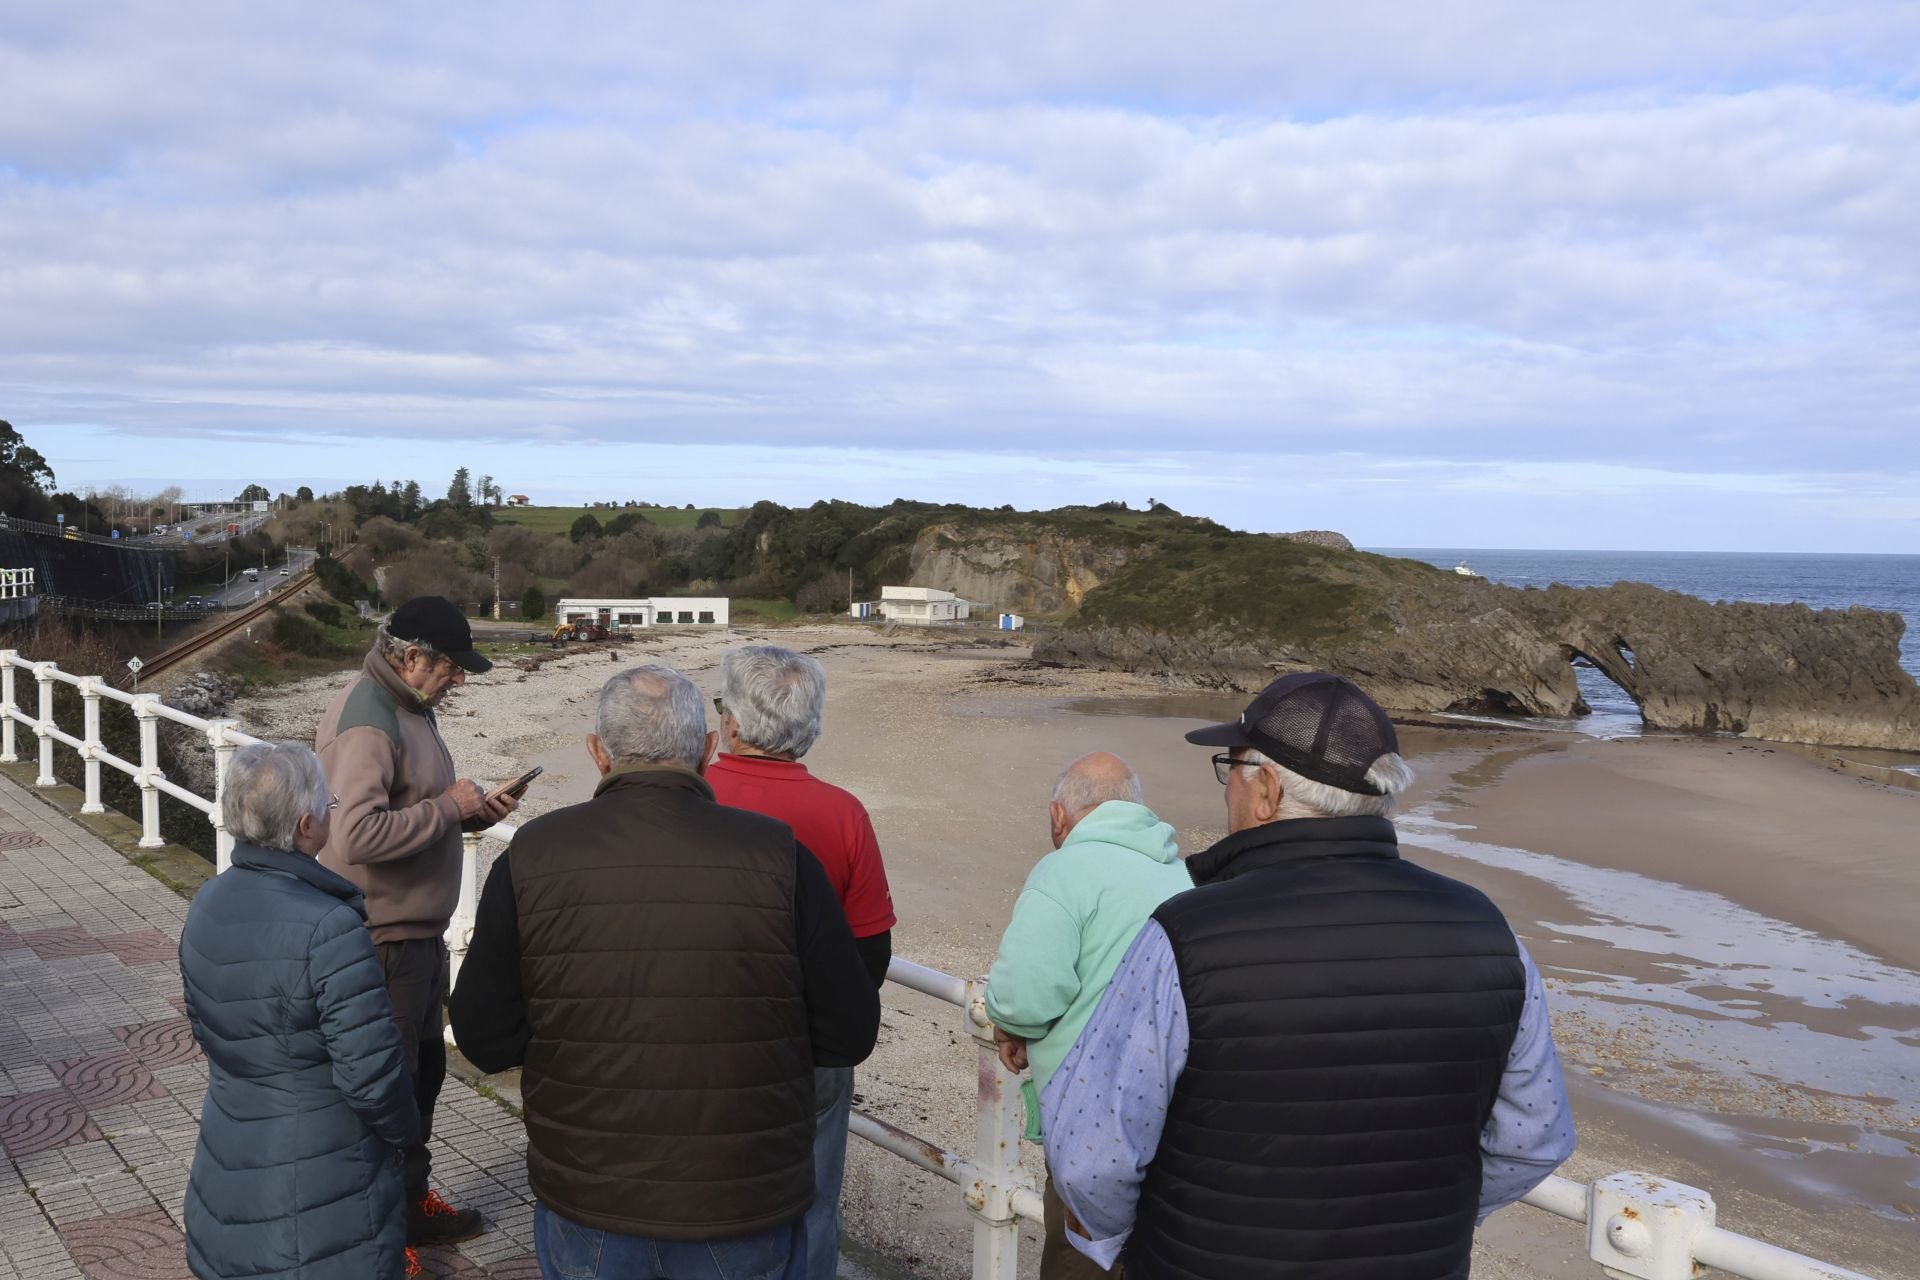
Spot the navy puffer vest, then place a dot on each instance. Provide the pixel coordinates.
(1350, 1017)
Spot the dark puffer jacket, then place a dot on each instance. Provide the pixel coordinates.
(308, 1098)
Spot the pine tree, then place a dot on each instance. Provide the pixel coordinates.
(460, 492)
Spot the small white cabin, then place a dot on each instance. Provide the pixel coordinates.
(923, 606)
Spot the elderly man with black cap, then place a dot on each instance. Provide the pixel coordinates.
(1323, 1059)
(396, 835)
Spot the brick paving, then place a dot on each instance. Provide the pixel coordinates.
(101, 1081)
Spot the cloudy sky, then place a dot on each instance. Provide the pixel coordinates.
(1505, 274)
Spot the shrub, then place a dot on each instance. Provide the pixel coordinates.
(533, 603)
(327, 614)
(583, 528)
(339, 581)
(300, 635)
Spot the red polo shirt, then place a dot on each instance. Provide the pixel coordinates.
(829, 821)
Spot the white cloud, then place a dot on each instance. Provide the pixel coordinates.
(1657, 235)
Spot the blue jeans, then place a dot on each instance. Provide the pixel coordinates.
(569, 1251)
(832, 1100)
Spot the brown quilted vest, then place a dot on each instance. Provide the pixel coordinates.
(669, 1081)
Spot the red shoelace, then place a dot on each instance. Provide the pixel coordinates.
(413, 1264)
(433, 1204)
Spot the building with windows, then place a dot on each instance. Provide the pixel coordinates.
(923, 606)
(648, 611)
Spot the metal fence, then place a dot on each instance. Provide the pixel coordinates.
(17, 584)
(1637, 1225)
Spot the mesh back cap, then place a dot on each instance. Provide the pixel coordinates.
(1321, 726)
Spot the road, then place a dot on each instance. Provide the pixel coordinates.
(242, 590)
(203, 530)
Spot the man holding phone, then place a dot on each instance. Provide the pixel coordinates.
(396, 834)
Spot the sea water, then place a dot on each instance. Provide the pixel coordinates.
(1886, 582)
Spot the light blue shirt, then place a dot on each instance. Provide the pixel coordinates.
(1107, 1104)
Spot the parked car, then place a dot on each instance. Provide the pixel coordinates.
(284, 570)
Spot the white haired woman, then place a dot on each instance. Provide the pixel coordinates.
(308, 1100)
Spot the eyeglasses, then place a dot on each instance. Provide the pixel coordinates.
(333, 802)
(719, 705)
(1224, 765)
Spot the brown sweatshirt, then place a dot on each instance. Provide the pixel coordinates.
(396, 833)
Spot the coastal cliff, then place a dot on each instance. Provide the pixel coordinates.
(1024, 568)
(1233, 610)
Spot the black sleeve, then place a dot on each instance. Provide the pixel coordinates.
(843, 1008)
(487, 1009)
(876, 952)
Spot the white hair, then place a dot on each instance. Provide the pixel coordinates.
(652, 715)
(776, 697)
(1304, 798)
(394, 649)
(1079, 791)
(269, 787)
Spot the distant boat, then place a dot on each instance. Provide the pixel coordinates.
(1464, 571)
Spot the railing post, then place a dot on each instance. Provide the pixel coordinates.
(1640, 1227)
(43, 672)
(90, 752)
(8, 752)
(467, 908)
(149, 770)
(996, 1152)
(222, 760)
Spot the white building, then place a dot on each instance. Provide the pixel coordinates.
(923, 606)
(649, 611)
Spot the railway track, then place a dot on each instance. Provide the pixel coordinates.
(194, 645)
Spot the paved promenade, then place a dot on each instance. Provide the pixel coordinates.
(100, 1079)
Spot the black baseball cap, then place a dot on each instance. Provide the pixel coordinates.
(1320, 726)
(439, 622)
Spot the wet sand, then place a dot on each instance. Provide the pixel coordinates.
(1723, 925)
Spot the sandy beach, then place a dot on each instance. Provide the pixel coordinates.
(1724, 926)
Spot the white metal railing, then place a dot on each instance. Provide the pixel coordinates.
(148, 709)
(1637, 1225)
(17, 583)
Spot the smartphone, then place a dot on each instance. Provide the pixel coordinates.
(518, 787)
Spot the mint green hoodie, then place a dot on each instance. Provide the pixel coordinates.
(1079, 911)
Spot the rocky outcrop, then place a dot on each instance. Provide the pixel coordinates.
(1026, 569)
(1233, 610)
(1425, 641)
(1783, 671)
(1319, 538)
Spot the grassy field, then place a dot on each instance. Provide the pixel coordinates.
(748, 609)
(560, 519)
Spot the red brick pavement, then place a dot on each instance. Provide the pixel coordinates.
(107, 1080)
(63, 943)
(148, 946)
(160, 1044)
(42, 1121)
(142, 1244)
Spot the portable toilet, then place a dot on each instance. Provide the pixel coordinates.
(1011, 622)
